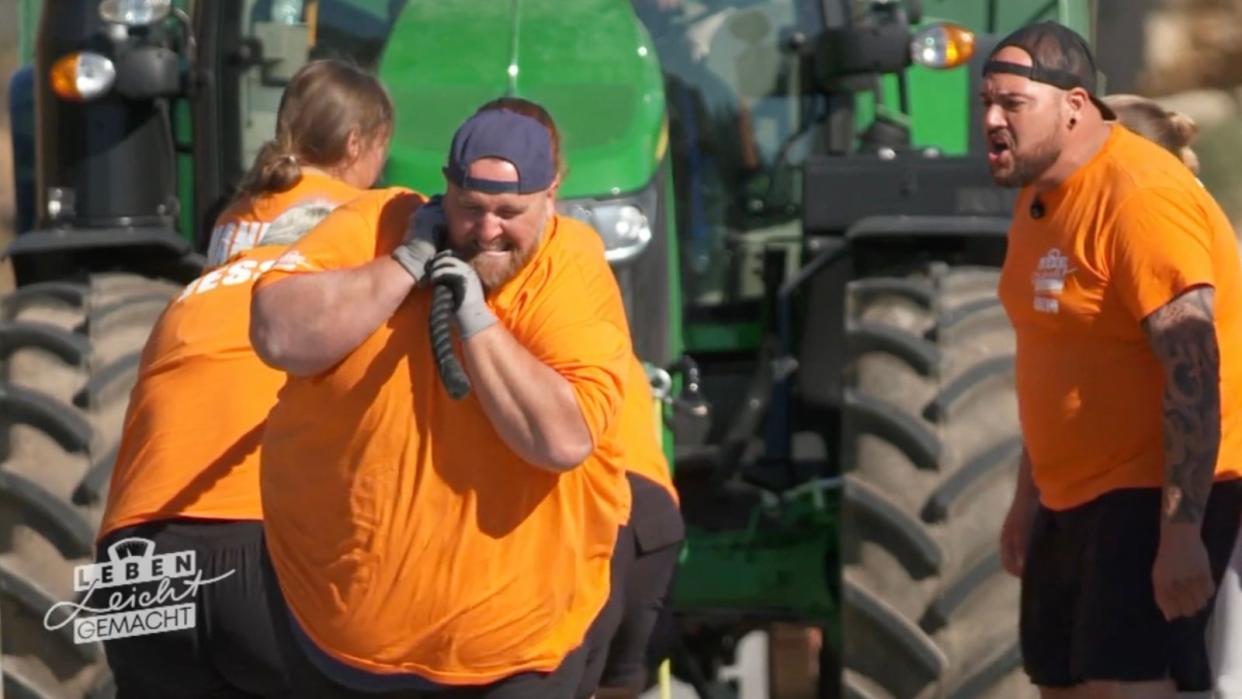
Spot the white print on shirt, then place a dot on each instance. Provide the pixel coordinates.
(292, 261)
(228, 239)
(239, 272)
(1049, 280)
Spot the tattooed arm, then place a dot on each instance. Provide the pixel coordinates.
(1183, 338)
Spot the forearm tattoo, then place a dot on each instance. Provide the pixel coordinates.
(1183, 337)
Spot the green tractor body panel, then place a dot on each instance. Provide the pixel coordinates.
(588, 62)
(772, 566)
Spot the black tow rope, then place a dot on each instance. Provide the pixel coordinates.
(452, 375)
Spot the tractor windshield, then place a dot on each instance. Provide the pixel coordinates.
(740, 116)
(280, 36)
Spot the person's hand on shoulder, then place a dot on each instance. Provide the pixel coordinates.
(423, 236)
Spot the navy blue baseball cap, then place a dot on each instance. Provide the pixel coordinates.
(500, 133)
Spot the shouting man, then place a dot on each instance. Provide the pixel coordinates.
(1124, 286)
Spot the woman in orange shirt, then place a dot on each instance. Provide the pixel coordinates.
(331, 146)
(183, 508)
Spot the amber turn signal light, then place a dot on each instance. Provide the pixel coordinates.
(82, 76)
(942, 45)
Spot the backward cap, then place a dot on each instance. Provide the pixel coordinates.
(1059, 57)
(507, 135)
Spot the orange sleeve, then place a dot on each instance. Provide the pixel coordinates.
(578, 328)
(1160, 248)
(345, 238)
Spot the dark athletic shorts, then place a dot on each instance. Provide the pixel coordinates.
(1088, 607)
(314, 673)
(230, 651)
(656, 532)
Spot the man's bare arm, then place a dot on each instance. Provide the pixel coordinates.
(1016, 531)
(1183, 338)
(308, 322)
(533, 408)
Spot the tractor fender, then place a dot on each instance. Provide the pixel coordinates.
(59, 240)
(876, 228)
(42, 255)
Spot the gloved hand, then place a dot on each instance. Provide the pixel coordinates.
(426, 229)
(473, 315)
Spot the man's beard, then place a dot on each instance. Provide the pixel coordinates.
(1030, 167)
(495, 270)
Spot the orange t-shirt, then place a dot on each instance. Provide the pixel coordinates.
(240, 226)
(407, 537)
(641, 430)
(1124, 235)
(196, 414)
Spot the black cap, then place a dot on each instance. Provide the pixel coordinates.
(1059, 57)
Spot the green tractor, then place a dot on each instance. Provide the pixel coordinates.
(792, 195)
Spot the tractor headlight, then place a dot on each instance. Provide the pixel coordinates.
(942, 45)
(624, 223)
(134, 13)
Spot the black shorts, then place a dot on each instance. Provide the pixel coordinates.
(656, 531)
(230, 650)
(327, 678)
(1088, 607)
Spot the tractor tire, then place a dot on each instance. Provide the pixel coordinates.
(931, 446)
(69, 353)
